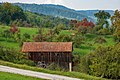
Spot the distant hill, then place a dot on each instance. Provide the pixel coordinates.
(54, 10)
(9, 16)
(60, 11)
(90, 13)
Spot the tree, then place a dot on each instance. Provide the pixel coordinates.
(9, 12)
(40, 36)
(14, 29)
(7, 34)
(103, 62)
(17, 37)
(115, 19)
(58, 28)
(85, 24)
(83, 30)
(12, 55)
(50, 35)
(26, 36)
(63, 38)
(102, 17)
(78, 40)
(73, 24)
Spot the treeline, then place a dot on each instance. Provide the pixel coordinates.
(9, 13)
(12, 14)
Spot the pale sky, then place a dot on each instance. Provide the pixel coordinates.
(76, 4)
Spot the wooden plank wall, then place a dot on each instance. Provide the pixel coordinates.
(60, 58)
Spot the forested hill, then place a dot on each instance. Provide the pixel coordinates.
(12, 14)
(54, 10)
(61, 11)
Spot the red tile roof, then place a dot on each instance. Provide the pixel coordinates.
(47, 47)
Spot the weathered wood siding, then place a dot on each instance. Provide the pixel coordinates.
(61, 58)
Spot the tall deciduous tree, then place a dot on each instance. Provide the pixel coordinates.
(58, 28)
(40, 36)
(116, 24)
(102, 17)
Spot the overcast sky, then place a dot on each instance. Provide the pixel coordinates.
(76, 4)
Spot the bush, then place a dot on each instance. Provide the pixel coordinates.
(96, 29)
(63, 38)
(7, 34)
(26, 36)
(117, 36)
(76, 62)
(17, 37)
(78, 40)
(104, 31)
(100, 40)
(76, 58)
(55, 67)
(14, 56)
(83, 29)
(103, 62)
(25, 61)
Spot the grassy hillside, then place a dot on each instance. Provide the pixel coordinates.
(11, 76)
(85, 48)
(9, 42)
(90, 45)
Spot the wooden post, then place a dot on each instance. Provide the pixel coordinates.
(70, 66)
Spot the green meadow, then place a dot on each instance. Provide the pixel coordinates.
(11, 76)
(88, 46)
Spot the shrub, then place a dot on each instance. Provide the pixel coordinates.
(76, 62)
(83, 29)
(17, 37)
(14, 29)
(26, 61)
(26, 36)
(14, 56)
(54, 66)
(6, 34)
(117, 36)
(104, 31)
(100, 40)
(63, 38)
(103, 62)
(78, 40)
(76, 59)
(84, 63)
(96, 29)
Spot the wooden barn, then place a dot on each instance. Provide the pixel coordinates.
(49, 52)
